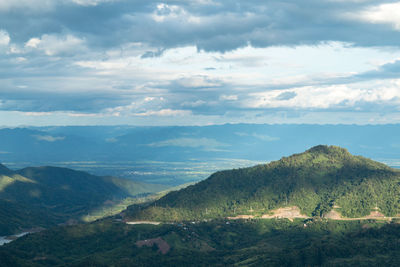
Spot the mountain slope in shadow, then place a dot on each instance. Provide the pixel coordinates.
(45, 196)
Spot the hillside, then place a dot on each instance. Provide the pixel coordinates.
(4, 170)
(315, 181)
(215, 243)
(46, 196)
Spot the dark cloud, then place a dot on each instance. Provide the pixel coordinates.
(33, 100)
(222, 26)
(386, 71)
(150, 54)
(286, 96)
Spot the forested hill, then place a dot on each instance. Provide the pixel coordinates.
(315, 181)
(46, 196)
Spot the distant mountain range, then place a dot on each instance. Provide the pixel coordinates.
(316, 181)
(46, 196)
(176, 155)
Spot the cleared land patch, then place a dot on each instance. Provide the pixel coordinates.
(163, 247)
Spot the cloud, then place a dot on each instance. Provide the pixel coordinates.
(329, 97)
(286, 95)
(4, 38)
(178, 61)
(91, 2)
(382, 14)
(75, 114)
(163, 113)
(228, 97)
(57, 44)
(150, 54)
(33, 5)
(49, 138)
(208, 25)
(176, 84)
(388, 70)
(35, 114)
(193, 104)
(207, 144)
(143, 106)
(262, 137)
(197, 82)
(111, 140)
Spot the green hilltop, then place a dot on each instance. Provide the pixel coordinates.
(317, 180)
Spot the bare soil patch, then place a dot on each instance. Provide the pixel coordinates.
(333, 215)
(163, 246)
(375, 215)
(241, 217)
(144, 222)
(286, 212)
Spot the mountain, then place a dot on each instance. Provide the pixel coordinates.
(4, 170)
(45, 196)
(316, 181)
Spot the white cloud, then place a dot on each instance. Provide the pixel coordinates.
(207, 144)
(4, 38)
(34, 5)
(325, 97)
(55, 44)
(228, 97)
(193, 104)
(90, 2)
(104, 65)
(75, 114)
(262, 137)
(49, 138)
(111, 140)
(36, 114)
(165, 12)
(187, 67)
(198, 81)
(33, 42)
(20, 59)
(164, 113)
(265, 137)
(141, 107)
(381, 14)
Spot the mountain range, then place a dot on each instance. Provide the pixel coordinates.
(176, 155)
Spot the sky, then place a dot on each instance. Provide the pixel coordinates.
(199, 62)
